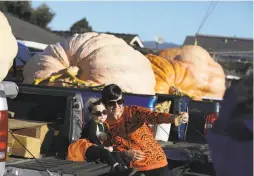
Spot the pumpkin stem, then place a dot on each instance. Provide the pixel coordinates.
(177, 91)
(73, 76)
(38, 81)
(53, 78)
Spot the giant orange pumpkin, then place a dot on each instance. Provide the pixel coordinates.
(209, 74)
(172, 75)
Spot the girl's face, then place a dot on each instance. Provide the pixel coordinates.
(99, 113)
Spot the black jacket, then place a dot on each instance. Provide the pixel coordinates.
(89, 132)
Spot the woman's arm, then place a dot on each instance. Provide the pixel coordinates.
(145, 115)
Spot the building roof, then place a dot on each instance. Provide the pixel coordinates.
(128, 38)
(213, 43)
(246, 55)
(146, 51)
(64, 34)
(24, 30)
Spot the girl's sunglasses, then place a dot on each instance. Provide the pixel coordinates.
(114, 102)
(98, 113)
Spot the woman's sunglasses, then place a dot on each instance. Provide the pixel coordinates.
(98, 113)
(114, 102)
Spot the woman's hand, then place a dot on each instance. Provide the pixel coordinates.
(110, 148)
(103, 137)
(135, 154)
(182, 118)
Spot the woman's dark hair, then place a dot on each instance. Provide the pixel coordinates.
(111, 92)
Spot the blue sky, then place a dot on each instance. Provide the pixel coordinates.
(169, 19)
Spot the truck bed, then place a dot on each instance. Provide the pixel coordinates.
(55, 105)
(31, 167)
(196, 158)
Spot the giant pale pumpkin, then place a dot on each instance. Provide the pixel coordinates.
(208, 73)
(8, 47)
(170, 53)
(173, 75)
(100, 58)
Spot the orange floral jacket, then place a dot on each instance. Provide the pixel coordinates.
(132, 132)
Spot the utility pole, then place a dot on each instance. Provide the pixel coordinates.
(158, 40)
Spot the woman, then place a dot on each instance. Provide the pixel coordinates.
(95, 134)
(131, 134)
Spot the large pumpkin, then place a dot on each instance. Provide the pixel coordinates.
(173, 75)
(209, 74)
(170, 53)
(8, 47)
(100, 58)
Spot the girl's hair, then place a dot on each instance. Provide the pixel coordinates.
(91, 102)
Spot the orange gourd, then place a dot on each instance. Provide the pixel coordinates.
(77, 150)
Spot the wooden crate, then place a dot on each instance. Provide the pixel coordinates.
(30, 133)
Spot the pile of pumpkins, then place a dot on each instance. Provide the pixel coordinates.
(94, 59)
